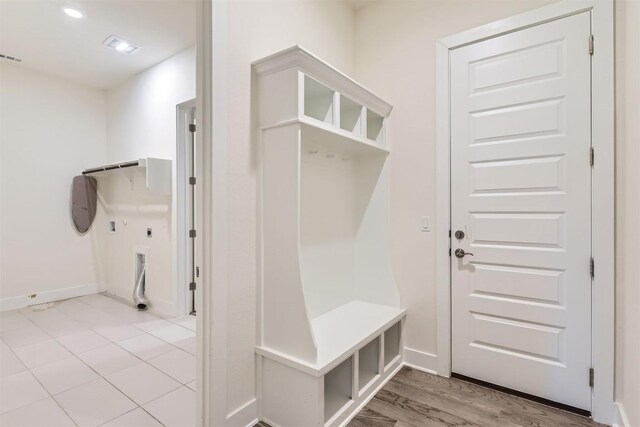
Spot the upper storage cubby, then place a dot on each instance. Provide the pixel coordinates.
(375, 127)
(318, 101)
(294, 86)
(350, 116)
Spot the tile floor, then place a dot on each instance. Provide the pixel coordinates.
(95, 361)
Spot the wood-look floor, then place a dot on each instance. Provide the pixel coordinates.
(416, 399)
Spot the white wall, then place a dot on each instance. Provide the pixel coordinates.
(396, 59)
(627, 207)
(134, 209)
(142, 110)
(257, 29)
(141, 123)
(50, 130)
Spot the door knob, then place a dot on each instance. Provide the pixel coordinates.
(460, 253)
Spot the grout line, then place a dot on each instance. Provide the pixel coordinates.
(151, 415)
(44, 388)
(28, 369)
(92, 328)
(121, 415)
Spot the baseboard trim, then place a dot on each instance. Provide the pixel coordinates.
(14, 303)
(244, 416)
(420, 360)
(270, 422)
(621, 419)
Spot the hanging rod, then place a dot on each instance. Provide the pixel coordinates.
(111, 167)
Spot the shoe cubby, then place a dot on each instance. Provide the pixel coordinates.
(338, 388)
(391, 344)
(368, 364)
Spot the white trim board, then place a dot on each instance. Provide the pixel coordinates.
(22, 301)
(621, 419)
(603, 244)
(213, 176)
(184, 111)
(212, 141)
(245, 415)
(420, 360)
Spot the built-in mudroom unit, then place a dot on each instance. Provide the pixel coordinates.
(330, 318)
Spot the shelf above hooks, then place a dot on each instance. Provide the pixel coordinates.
(157, 172)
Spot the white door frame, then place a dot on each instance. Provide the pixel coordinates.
(184, 113)
(602, 208)
(211, 146)
(208, 220)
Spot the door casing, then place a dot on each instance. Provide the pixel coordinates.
(185, 114)
(603, 225)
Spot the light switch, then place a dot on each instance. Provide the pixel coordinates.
(426, 224)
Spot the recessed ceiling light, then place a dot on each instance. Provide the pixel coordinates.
(74, 13)
(121, 45)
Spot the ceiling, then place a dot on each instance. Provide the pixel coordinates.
(47, 40)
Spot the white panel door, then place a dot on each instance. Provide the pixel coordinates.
(520, 191)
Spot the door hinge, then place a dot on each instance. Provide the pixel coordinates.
(592, 156)
(592, 268)
(449, 233)
(192, 180)
(591, 44)
(192, 233)
(192, 128)
(192, 286)
(449, 251)
(591, 377)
